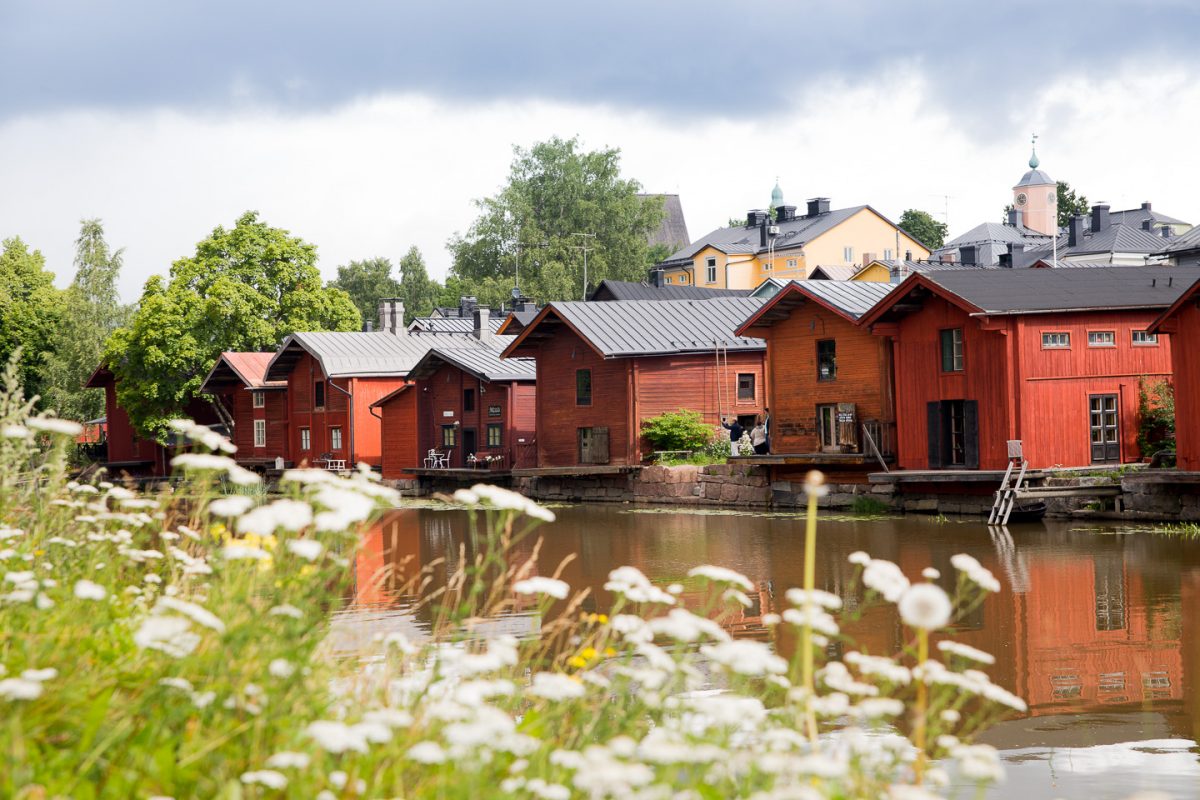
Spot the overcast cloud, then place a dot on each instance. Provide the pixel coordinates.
(368, 127)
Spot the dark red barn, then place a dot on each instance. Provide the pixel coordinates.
(1050, 357)
(829, 381)
(1181, 324)
(256, 408)
(471, 406)
(603, 368)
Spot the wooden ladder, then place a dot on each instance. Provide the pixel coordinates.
(1006, 497)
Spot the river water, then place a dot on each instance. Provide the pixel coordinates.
(1097, 628)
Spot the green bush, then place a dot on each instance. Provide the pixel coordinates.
(677, 430)
(1156, 417)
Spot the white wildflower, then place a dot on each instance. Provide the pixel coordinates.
(288, 760)
(721, 575)
(746, 657)
(812, 617)
(183, 684)
(979, 762)
(281, 668)
(40, 675)
(819, 597)
(540, 585)
(630, 581)
(886, 578)
(63, 427)
(859, 557)
(336, 737)
(391, 717)
(195, 613)
(555, 686)
(925, 606)
(230, 506)
(931, 574)
(966, 651)
(171, 635)
(308, 549)
(203, 699)
(267, 777)
(879, 666)
(427, 753)
(684, 626)
(15, 432)
(975, 572)
(876, 707)
(291, 515)
(242, 552)
(20, 689)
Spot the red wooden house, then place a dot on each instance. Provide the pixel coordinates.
(828, 381)
(1052, 358)
(471, 406)
(603, 368)
(1181, 323)
(256, 407)
(127, 451)
(334, 379)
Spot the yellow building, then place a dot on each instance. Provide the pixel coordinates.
(788, 248)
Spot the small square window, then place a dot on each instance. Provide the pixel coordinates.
(260, 433)
(335, 438)
(319, 394)
(258, 398)
(952, 350)
(305, 439)
(449, 438)
(745, 386)
(1056, 340)
(1102, 339)
(827, 360)
(791, 262)
(494, 435)
(767, 267)
(672, 280)
(583, 387)
(1144, 338)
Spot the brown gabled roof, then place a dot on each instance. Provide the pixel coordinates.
(249, 369)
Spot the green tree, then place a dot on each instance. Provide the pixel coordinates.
(31, 310)
(556, 190)
(95, 311)
(244, 289)
(1069, 204)
(367, 282)
(418, 291)
(924, 228)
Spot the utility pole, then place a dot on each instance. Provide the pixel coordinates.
(584, 247)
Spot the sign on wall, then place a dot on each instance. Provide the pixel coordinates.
(493, 411)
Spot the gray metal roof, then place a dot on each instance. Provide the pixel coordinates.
(850, 298)
(453, 324)
(991, 240)
(673, 230)
(1135, 217)
(482, 362)
(1183, 243)
(647, 328)
(834, 272)
(793, 233)
(1015, 291)
(622, 291)
(365, 354)
(1115, 239)
(1035, 177)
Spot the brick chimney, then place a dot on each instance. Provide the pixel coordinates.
(818, 206)
(391, 316)
(1075, 231)
(483, 327)
(1100, 218)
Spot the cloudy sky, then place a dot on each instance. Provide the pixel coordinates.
(368, 127)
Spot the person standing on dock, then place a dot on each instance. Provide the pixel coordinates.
(736, 432)
(758, 436)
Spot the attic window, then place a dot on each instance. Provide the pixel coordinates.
(258, 398)
(319, 394)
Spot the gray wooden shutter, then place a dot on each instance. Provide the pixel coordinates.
(971, 434)
(933, 417)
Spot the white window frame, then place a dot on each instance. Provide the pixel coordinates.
(1146, 340)
(1102, 338)
(260, 433)
(848, 255)
(710, 270)
(791, 263)
(767, 267)
(1056, 340)
(305, 439)
(335, 437)
(258, 399)
(887, 254)
(670, 279)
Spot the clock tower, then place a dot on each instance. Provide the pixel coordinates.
(1036, 197)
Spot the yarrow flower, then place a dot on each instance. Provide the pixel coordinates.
(170, 635)
(308, 549)
(966, 651)
(630, 582)
(230, 506)
(62, 427)
(288, 760)
(975, 572)
(87, 590)
(555, 686)
(540, 585)
(20, 689)
(925, 606)
(721, 575)
(267, 777)
(203, 435)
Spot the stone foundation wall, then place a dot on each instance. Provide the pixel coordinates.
(578, 489)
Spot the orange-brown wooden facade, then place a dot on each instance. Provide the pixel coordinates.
(1182, 324)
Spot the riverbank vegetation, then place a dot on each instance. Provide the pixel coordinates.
(173, 643)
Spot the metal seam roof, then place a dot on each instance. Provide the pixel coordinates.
(649, 327)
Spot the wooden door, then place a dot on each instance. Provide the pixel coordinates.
(847, 419)
(593, 445)
(1105, 428)
(827, 428)
(468, 443)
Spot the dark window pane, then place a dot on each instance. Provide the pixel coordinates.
(468, 399)
(745, 386)
(583, 387)
(827, 360)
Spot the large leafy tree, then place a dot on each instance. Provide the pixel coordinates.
(1070, 203)
(417, 290)
(31, 310)
(245, 289)
(367, 282)
(555, 192)
(924, 228)
(94, 312)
